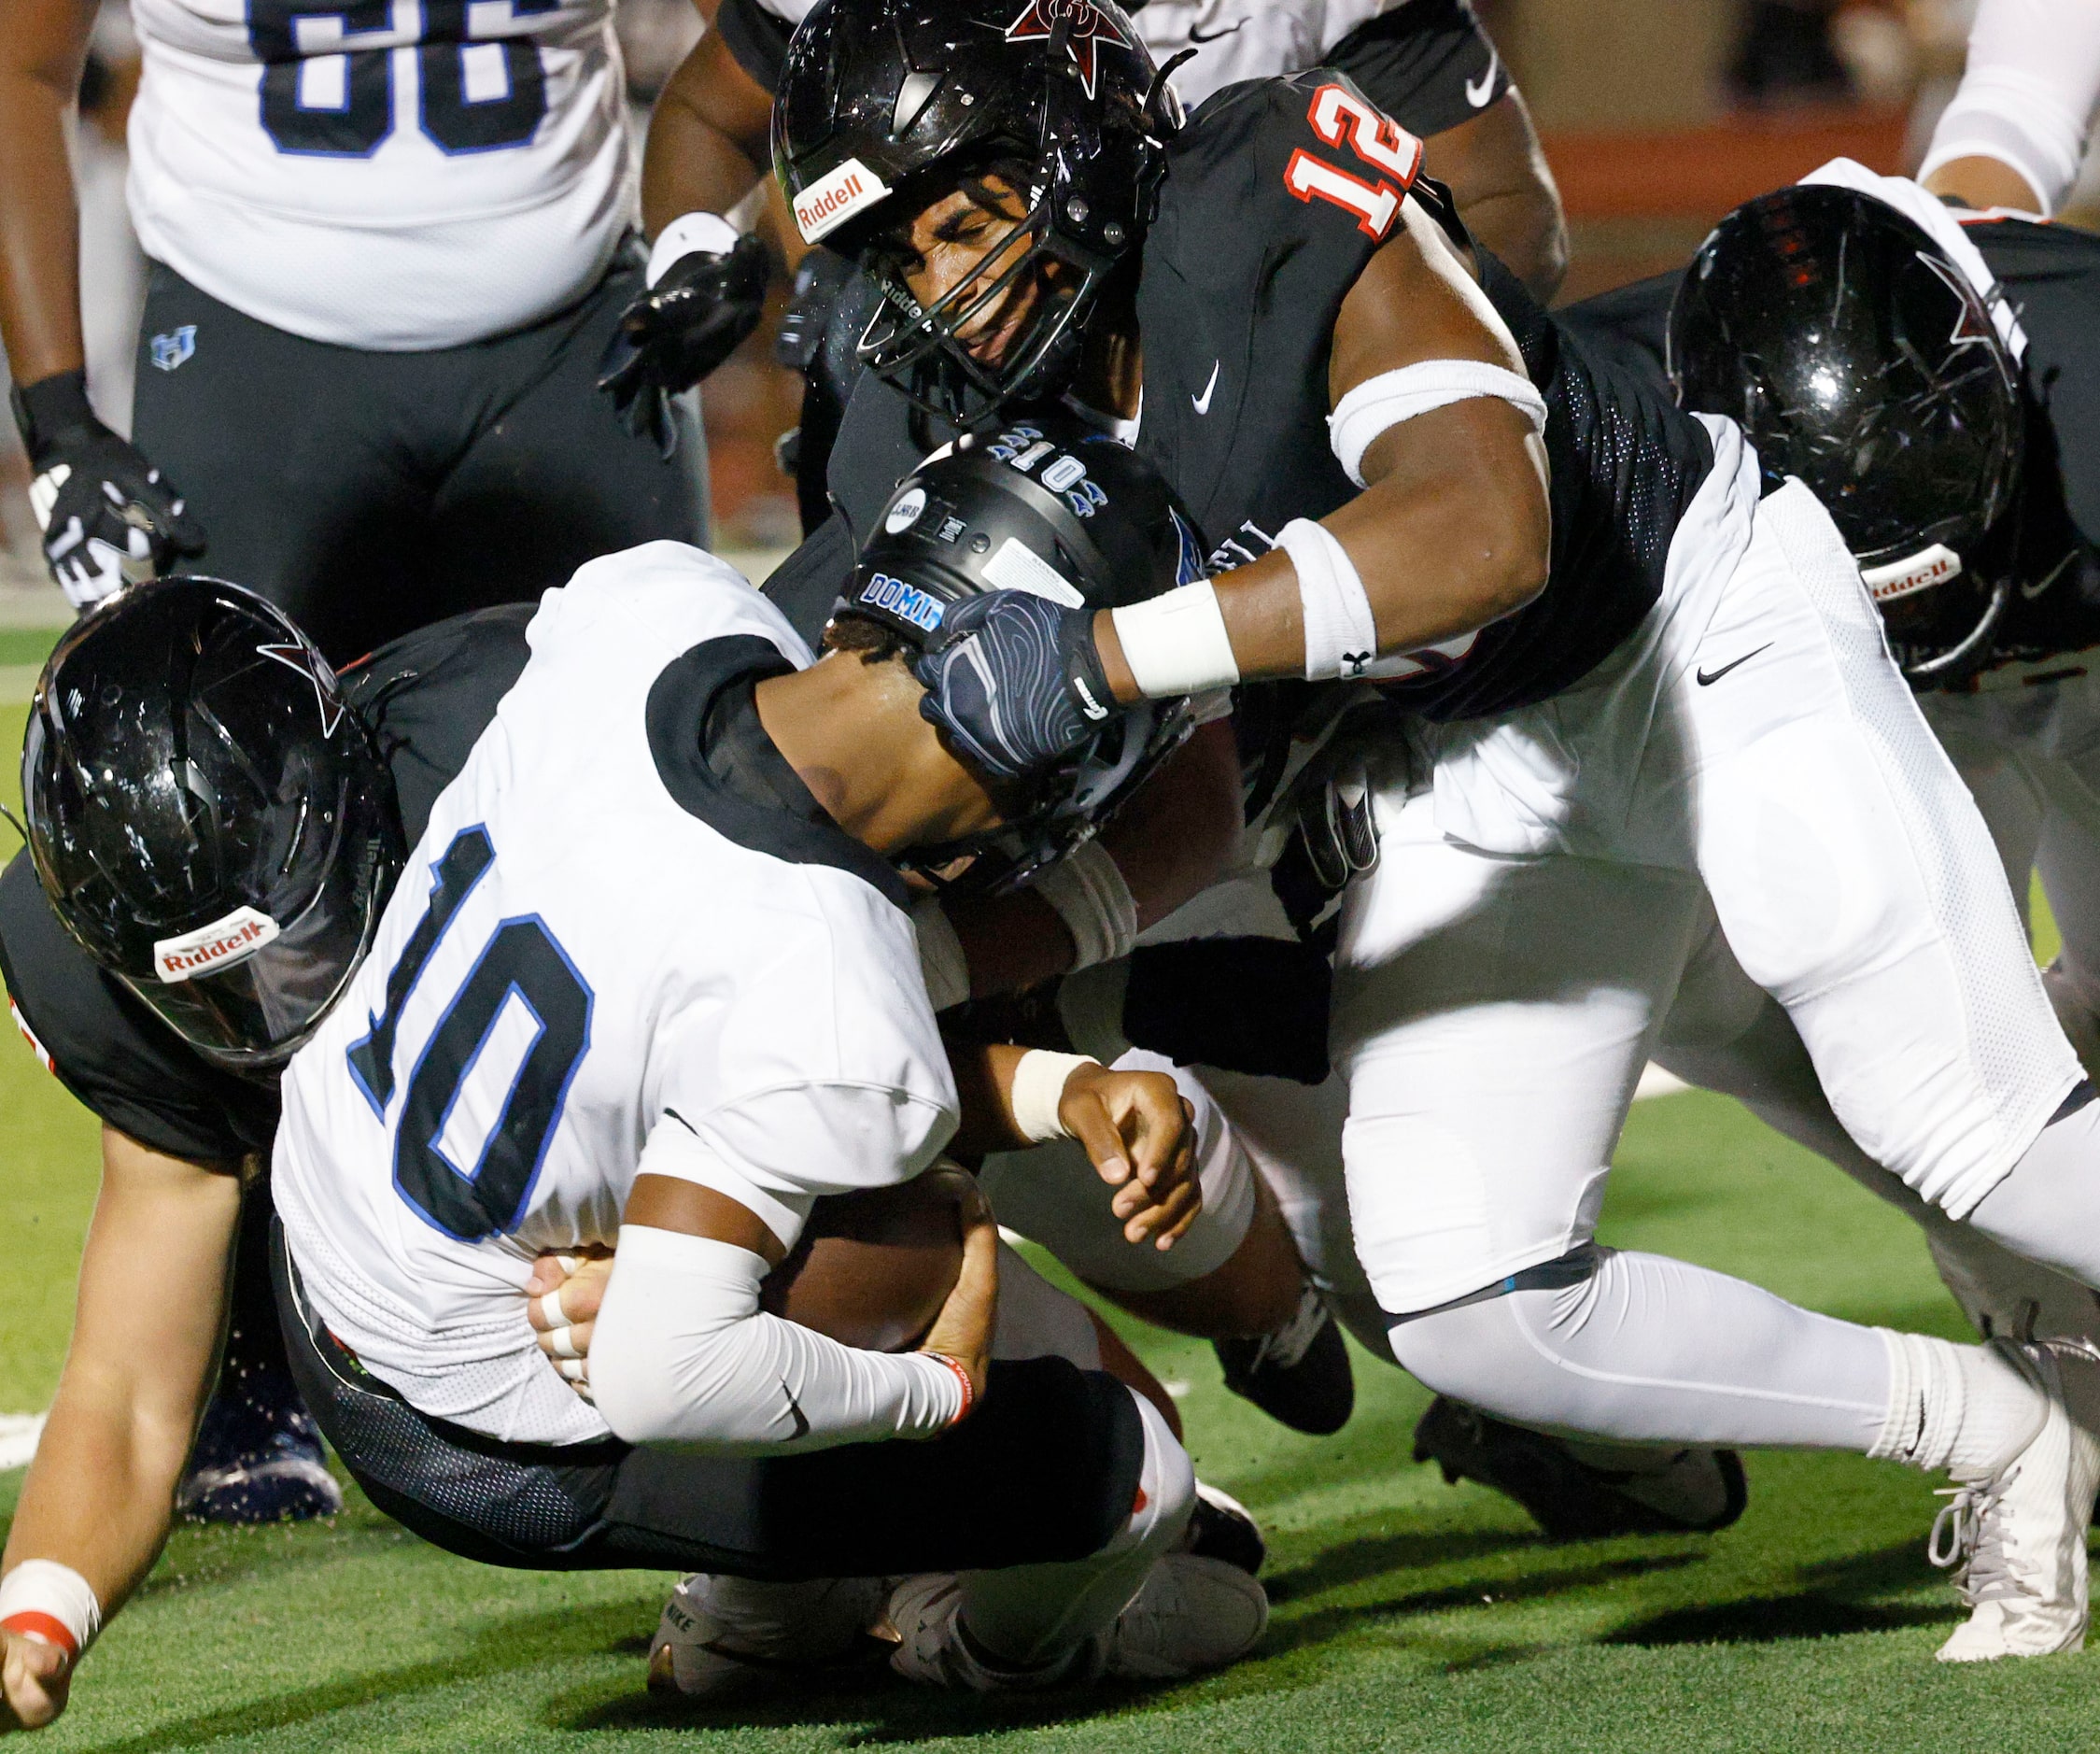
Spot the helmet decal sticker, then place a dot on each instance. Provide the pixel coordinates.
(1088, 24)
(232, 938)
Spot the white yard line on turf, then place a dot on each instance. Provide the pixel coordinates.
(19, 1433)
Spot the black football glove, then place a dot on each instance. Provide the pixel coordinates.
(1016, 682)
(675, 334)
(108, 516)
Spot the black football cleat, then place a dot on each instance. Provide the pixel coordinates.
(1300, 1374)
(1584, 1492)
(1220, 1527)
(258, 1458)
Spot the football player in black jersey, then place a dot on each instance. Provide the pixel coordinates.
(1975, 517)
(1428, 64)
(1641, 679)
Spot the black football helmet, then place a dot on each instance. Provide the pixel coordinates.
(1047, 504)
(885, 105)
(1858, 356)
(207, 816)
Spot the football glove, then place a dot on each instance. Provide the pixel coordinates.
(1016, 682)
(700, 304)
(109, 518)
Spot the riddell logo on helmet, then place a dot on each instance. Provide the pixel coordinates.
(1929, 566)
(830, 201)
(210, 948)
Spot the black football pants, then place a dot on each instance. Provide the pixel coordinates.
(371, 493)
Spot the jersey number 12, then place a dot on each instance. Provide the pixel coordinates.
(340, 103)
(523, 974)
(1340, 117)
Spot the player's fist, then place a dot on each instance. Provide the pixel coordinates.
(109, 518)
(707, 292)
(563, 1296)
(1141, 1132)
(35, 1676)
(1016, 682)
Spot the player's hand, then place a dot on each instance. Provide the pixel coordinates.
(109, 518)
(36, 1678)
(963, 1329)
(570, 1287)
(1016, 682)
(1141, 1132)
(690, 319)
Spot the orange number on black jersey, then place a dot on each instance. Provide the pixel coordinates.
(1338, 116)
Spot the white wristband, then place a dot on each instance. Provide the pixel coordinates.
(1175, 642)
(943, 965)
(50, 1603)
(1341, 636)
(1038, 1087)
(1088, 892)
(690, 231)
(1385, 400)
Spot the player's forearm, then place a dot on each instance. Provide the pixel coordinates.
(706, 147)
(101, 1490)
(39, 232)
(1497, 176)
(1453, 532)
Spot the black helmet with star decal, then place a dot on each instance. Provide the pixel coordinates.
(1856, 354)
(885, 106)
(207, 816)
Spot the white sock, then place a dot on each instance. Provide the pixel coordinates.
(1968, 1409)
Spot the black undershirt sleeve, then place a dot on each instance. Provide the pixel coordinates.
(1426, 63)
(755, 40)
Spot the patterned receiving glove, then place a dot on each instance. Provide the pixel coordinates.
(109, 518)
(707, 292)
(1016, 683)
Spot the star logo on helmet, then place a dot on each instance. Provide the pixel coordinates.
(309, 663)
(1971, 328)
(1086, 23)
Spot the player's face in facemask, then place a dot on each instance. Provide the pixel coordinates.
(965, 242)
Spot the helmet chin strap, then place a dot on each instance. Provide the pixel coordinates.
(14, 822)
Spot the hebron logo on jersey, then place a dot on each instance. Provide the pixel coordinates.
(231, 939)
(907, 603)
(830, 201)
(171, 349)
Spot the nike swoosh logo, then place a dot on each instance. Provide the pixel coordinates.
(1709, 677)
(1201, 402)
(1477, 95)
(2054, 572)
(795, 1407)
(1197, 36)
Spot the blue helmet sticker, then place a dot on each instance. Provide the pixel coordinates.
(907, 603)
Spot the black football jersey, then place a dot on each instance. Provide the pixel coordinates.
(426, 698)
(1276, 195)
(2050, 542)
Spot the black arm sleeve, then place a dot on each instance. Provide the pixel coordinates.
(755, 40)
(1426, 63)
(113, 1054)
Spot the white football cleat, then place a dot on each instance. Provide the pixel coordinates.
(1190, 1614)
(721, 1638)
(2017, 1540)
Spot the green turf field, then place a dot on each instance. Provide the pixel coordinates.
(1408, 1615)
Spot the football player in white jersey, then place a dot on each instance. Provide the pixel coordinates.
(2016, 131)
(388, 247)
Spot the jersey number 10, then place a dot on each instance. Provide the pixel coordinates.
(340, 104)
(522, 962)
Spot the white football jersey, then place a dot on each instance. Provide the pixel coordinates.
(1246, 39)
(392, 174)
(597, 961)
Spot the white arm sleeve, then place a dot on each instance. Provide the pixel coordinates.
(682, 1354)
(2028, 95)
